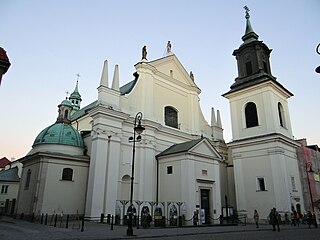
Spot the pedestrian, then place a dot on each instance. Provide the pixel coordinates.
(294, 217)
(256, 217)
(309, 219)
(149, 220)
(274, 219)
(314, 220)
(195, 218)
(297, 218)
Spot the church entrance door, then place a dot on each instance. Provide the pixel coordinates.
(205, 206)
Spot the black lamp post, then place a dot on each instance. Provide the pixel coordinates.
(136, 129)
(317, 50)
(309, 170)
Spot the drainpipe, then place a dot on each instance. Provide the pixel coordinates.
(157, 188)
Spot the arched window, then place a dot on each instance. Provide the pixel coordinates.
(27, 184)
(248, 64)
(67, 174)
(281, 115)
(66, 112)
(171, 117)
(265, 67)
(126, 178)
(249, 68)
(125, 187)
(251, 115)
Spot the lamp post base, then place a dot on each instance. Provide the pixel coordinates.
(130, 231)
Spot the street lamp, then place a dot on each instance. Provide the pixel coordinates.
(4, 63)
(136, 129)
(317, 50)
(309, 170)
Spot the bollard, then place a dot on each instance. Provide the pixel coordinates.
(46, 219)
(101, 218)
(108, 218)
(41, 219)
(61, 220)
(82, 225)
(32, 217)
(55, 220)
(21, 216)
(67, 223)
(112, 222)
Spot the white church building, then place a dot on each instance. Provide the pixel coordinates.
(83, 162)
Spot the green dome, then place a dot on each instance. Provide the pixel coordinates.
(59, 133)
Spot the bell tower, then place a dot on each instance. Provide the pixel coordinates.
(258, 101)
(263, 150)
(75, 97)
(252, 57)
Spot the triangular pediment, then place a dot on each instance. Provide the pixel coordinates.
(172, 68)
(205, 148)
(197, 147)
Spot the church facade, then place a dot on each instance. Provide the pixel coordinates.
(168, 97)
(84, 162)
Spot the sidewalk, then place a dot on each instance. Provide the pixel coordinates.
(15, 229)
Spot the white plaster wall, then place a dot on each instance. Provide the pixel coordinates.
(12, 193)
(97, 174)
(272, 160)
(155, 89)
(266, 97)
(83, 124)
(184, 186)
(65, 196)
(57, 148)
(26, 198)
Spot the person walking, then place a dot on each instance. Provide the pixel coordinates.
(314, 220)
(256, 217)
(274, 219)
(309, 219)
(195, 218)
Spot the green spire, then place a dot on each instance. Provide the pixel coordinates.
(75, 99)
(249, 35)
(75, 94)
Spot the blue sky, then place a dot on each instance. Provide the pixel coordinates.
(49, 42)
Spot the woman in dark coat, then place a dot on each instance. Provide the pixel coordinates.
(274, 219)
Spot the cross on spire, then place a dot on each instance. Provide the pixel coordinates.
(247, 10)
(78, 76)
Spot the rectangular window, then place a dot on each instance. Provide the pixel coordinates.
(27, 184)
(4, 189)
(67, 174)
(204, 172)
(261, 184)
(169, 170)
